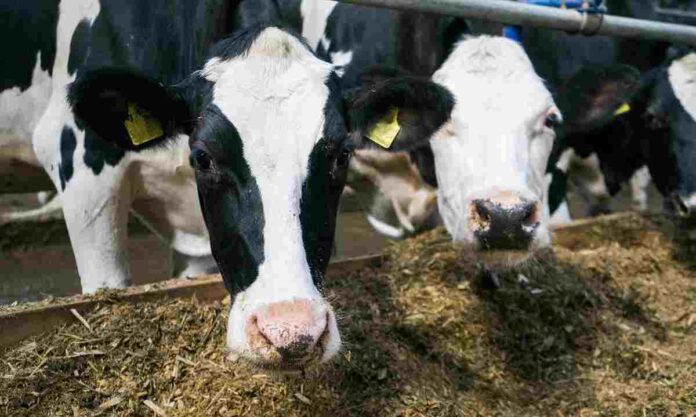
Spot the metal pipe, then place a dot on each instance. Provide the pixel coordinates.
(676, 16)
(513, 13)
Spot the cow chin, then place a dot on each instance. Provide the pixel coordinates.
(286, 336)
(502, 259)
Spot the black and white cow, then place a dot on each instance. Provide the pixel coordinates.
(270, 138)
(100, 183)
(624, 101)
(30, 53)
(657, 129)
(29, 56)
(489, 159)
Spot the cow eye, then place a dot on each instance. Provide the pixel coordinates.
(200, 159)
(553, 120)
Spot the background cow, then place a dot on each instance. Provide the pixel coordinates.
(629, 90)
(489, 159)
(269, 143)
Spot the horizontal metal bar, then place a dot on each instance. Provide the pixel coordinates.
(570, 4)
(676, 16)
(513, 13)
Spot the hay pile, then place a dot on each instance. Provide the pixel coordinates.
(607, 327)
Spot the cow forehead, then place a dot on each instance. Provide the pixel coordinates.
(493, 74)
(275, 95)
(682, 77)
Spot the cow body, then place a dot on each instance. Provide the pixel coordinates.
(25, 88)
(99, 183)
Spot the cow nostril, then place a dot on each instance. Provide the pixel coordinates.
(289, 332)
(255, 335)
(481, 214)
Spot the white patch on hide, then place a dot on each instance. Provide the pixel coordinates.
(341, 59)
(20, 111)
(561, 215)
(315, 14)
(682, 77)
(385, 229)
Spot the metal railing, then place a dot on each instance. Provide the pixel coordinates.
(513, 13)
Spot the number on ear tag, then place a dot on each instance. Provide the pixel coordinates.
(624, 108)
(384, 132)
(141, 127)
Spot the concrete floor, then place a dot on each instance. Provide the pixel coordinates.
(34, 273)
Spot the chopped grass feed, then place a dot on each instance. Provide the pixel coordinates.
(605, 326)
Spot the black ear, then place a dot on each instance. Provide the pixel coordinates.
(406, 110)
(595, 95)
(128, 109)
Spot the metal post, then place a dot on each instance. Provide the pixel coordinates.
(513, 13)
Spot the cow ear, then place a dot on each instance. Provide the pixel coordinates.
(127, 109)
(595, 95)
(397, 113)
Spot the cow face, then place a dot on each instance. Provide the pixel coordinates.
(270, 151)
(490, 158)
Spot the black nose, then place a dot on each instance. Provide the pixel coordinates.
(504, 227)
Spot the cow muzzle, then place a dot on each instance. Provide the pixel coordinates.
(504, 222)
(290, 335)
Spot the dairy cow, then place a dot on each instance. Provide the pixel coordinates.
(270, 138)
(25, 88)
(643, 126)
(256, 120)
(488, 161)
(624, 101)
(99, 184)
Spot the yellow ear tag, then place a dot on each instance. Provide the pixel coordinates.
(141, 127)
(384, 132)
(625, 108)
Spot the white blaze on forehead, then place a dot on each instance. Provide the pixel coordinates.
(498, 99)
(494, 141)
(682, 77)
(275, 97)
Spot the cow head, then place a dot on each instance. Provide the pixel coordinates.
(267, 129)
(491, 156)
